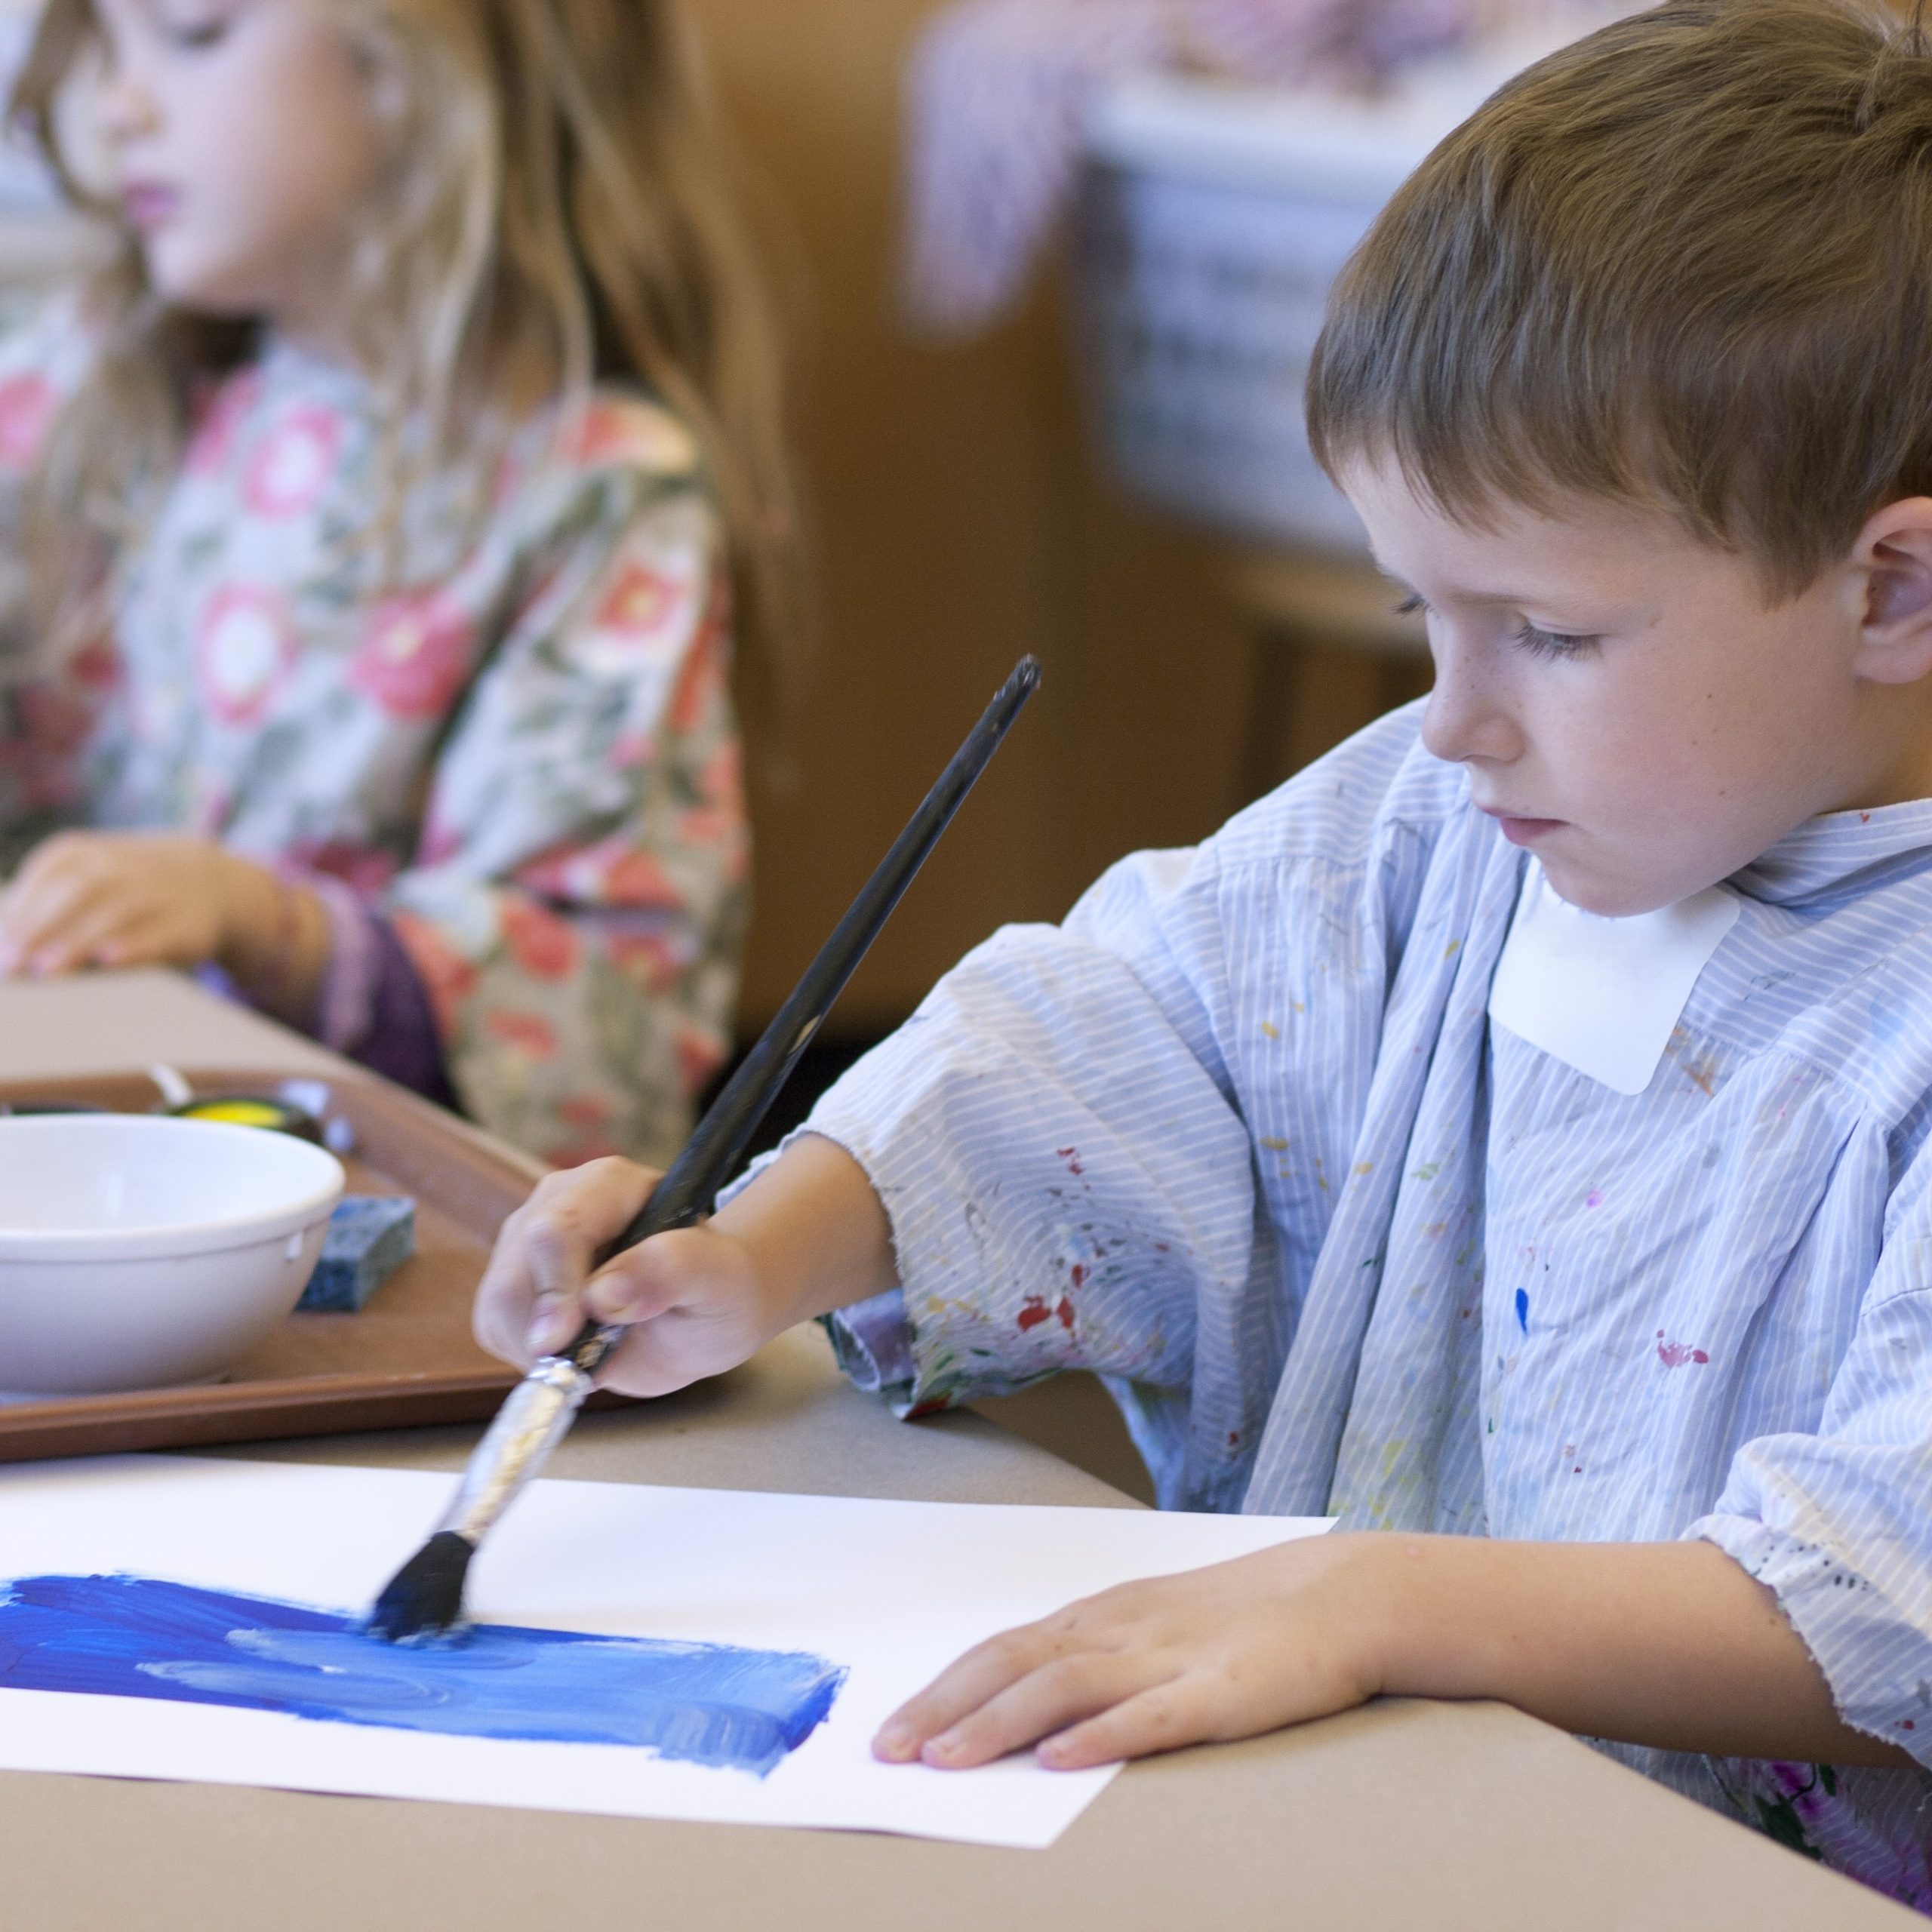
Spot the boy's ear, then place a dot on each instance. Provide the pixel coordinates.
(1893, 554)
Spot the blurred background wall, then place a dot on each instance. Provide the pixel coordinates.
(959, 521)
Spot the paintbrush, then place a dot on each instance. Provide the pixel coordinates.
(424, 1599)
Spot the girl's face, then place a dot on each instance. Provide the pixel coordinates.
(1630, 708)
(241, 140)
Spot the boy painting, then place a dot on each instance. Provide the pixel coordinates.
(1511, 1136)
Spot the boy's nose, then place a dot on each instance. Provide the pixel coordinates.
(1465, 721)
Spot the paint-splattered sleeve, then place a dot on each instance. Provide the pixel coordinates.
(1838, 1523)
(1055, 1140)
(1114, 1145)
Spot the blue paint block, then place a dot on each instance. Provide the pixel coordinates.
(370, 1237)
(721, 1704)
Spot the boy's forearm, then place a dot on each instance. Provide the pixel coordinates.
(818, 1234)
(1667, 1645)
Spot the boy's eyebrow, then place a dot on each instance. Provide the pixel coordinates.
(1395, 581)
(1509, 599)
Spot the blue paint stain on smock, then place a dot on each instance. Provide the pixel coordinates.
(713, 1704)
(1523, 1309)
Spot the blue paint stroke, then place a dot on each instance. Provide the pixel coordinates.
(712, 1704)
(1523, 1309)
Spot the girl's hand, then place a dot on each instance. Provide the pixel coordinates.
(692, 1295)
(100, 899)
(141, 899)
(1275, 1638)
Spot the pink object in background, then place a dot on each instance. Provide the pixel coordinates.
(998, 87)
(999, 91)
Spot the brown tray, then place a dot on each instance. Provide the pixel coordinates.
(407, 1357)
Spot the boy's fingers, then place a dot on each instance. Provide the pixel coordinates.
(563, 1240)
(554, 1317)
(645, 1281)
(666, 1276)
(629, 1289)
(508, 1295)
(556, 1257)
(639, 1367)
(1043, 1702)
(1163, 1717)
(501, 1312)
(530, 1300)
(961, 1688)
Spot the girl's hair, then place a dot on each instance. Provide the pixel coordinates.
(1686, 263)
(562, 210)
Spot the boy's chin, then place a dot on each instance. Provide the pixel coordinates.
(1608, 897)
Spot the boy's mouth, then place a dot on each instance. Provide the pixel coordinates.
(1522, 831)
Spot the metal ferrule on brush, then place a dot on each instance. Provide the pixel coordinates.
(532, 1420)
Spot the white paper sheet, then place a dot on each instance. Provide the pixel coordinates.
(893, 1590)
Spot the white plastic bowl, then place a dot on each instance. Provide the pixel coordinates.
(137, 1252)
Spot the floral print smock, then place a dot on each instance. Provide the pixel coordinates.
(521, 778)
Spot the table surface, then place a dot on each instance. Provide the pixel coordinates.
(1401, 1814)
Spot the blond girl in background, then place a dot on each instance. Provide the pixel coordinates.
(385, 510)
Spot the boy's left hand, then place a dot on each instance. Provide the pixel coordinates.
(1279, 1637)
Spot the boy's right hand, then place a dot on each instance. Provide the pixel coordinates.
(692, 1297)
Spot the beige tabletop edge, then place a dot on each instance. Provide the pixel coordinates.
(1400, 1815)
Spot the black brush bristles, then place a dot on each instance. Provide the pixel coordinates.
(423, 1602)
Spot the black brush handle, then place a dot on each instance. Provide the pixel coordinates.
(712, 1155)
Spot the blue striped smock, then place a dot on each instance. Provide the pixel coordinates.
(1239, 1136)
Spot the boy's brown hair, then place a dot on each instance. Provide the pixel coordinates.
(1685, 263)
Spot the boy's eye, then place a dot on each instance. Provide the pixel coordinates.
(1410, 606)
(1553, 644)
